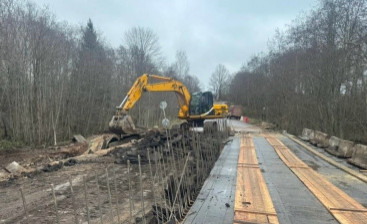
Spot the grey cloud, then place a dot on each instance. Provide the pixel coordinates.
(211, 32)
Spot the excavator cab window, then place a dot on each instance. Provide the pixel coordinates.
(201, 102)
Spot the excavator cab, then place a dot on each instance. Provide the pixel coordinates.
(200, 103)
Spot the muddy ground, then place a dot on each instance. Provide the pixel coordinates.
(36, 186)
(110, 194)
(39, 200)
(32, 158)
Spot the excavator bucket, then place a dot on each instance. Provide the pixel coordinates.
(122, 125)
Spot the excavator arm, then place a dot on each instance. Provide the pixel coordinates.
(165, 85)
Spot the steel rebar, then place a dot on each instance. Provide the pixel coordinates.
(141, 191)
(86, 199)
(55, 204)
(24, 204)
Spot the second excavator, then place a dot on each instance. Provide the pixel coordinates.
(194, 108)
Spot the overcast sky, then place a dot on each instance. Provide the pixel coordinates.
(211, 32)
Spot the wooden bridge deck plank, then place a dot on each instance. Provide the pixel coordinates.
(343, 207)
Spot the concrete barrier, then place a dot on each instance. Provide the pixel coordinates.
(320, 139)
(359, 156)
(334, 143)
(343, 150)
(307, 134)
(346, 148)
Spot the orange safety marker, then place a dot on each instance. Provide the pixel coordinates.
(253, 203)
(343, 207)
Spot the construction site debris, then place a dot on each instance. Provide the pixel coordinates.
(3, 175)
(54, 166)
(15, 169)
(79, 139)
(46, 160)
(101, 142)
(96, 144)
(173, 166)
(359, 156)
(266, 125)
(152, 140)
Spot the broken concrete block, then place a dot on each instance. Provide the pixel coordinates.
(79, 139)
(100, 142)
(15, 169)
(359, 157)
(321, 139)
(306, 134)
(95, 144)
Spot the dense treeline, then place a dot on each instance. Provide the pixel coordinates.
(57, 80)
(314, 74)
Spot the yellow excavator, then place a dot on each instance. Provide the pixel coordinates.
(194, 108)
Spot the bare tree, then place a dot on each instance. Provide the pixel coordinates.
(143, 47)
(219, 81)
(181, 66)
(180, 70)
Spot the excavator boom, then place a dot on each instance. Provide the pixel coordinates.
(167, 85)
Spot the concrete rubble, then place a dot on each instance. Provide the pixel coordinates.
(79, 139)
(98, 143)
(4, 175)
(15, 169)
